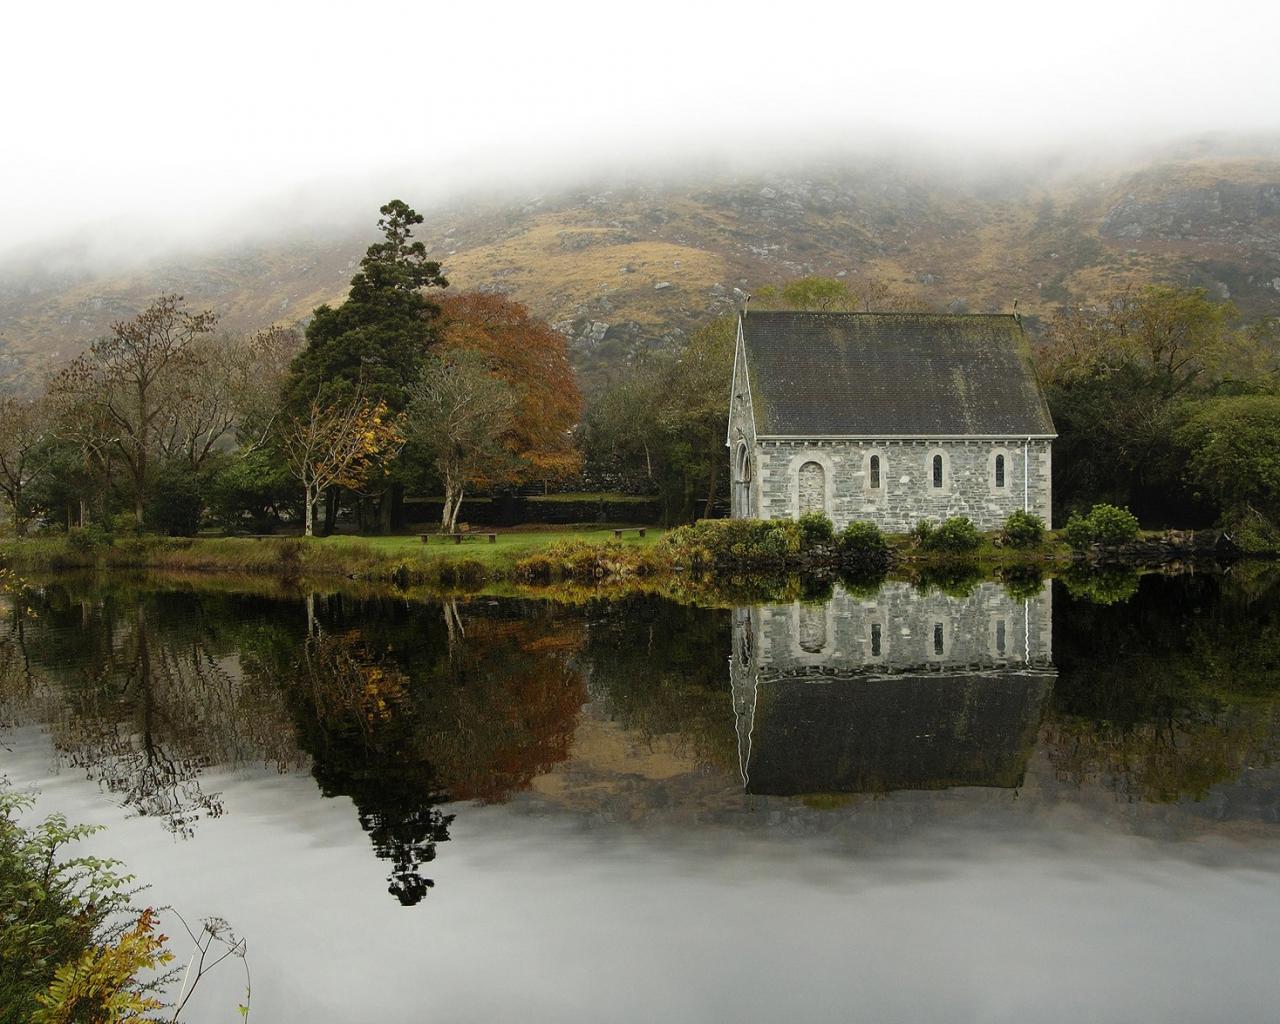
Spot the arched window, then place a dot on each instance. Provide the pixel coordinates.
(999, 470)
(744, 463)
(939, 640)
(937, 471)
(875, 472)
(1000, 638)
(875, 640)
(813, 488)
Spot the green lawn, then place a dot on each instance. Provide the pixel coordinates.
(510, 545)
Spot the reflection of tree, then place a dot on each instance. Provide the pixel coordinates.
(659, 670)
(1166, 696)
(404, 709)
(143, 696)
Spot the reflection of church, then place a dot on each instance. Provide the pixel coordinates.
(903, 690)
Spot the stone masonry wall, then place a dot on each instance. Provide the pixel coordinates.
(906, 493)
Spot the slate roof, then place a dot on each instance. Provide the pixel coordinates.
(891, 375)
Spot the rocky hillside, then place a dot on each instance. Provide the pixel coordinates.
(624, 266)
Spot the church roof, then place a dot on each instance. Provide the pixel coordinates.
(892, 375)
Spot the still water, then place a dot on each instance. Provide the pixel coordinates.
(986, 804)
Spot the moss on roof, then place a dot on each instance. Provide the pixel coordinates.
(892, 374)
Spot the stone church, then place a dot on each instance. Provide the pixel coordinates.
(889, 418)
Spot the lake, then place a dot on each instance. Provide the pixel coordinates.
(972, 802)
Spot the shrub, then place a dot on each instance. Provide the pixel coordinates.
(735, 542)
(1023, 530)
(921, 533)
(863, 542)
(84, 539)
(1107, 525)
(816, 530)
(956, 535)
(124, 524)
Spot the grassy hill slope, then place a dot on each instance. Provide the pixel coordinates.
(624, 266)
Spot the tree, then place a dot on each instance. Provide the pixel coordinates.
(532, 358)
(25, 453)
(458, 416)
(135, 378)
(661, 426)
(376, 340)
(336, 442)
(1119, 379)
(230, 395)
(837, 295)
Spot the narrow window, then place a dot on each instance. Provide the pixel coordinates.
(937, 471)
(875, 472)
(999, 470)
(1000, 638)
(937, 638)
(875, 639)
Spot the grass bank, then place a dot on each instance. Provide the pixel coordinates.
(720, 555)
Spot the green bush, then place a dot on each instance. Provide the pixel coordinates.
(1023, 530)
(124, 524)
(956, 535)
(921, 533)
(1107, 525)
(863, 542)
(84, 539)
(816, 530)
(735, 542)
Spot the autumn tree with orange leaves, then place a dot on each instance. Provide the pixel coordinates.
(531, 356)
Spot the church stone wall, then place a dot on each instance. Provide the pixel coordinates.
(906, 493)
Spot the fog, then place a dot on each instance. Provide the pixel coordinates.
(129, 127)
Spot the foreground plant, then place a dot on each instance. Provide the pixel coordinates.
(72, 946)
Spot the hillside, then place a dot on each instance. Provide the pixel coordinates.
(642, 263)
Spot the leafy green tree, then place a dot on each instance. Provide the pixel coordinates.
(1232, 449)
(1119, 378)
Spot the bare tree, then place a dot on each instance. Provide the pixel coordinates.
(230, 394)
(25, 430)
(335, 443)
(459, 414)
(135, 376)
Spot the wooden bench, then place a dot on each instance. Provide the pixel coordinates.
(457, 538)
(618, 533)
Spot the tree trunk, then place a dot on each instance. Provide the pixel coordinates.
(446, 514)
(457, 506)
(711, 489)
(309, 522)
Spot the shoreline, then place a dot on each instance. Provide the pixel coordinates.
(588, 563)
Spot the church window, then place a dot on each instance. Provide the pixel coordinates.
(875, 640)
(999, 470)
(937, 471)
(875, 472)
(1000, 638)
(939, 643)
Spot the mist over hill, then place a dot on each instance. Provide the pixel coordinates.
(624, 263)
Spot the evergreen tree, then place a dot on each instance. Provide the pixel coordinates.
(378, 337)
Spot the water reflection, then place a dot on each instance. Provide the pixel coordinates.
(901, 689)
(1166, 696)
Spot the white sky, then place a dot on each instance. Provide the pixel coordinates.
(160, 117)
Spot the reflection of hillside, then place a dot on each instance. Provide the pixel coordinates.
(903, 690)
